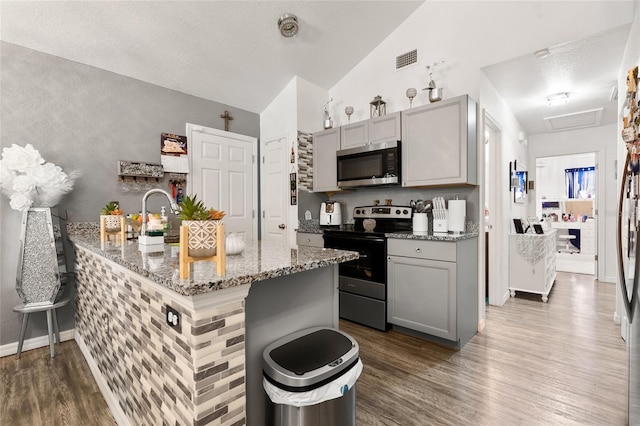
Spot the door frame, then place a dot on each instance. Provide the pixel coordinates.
(195, 128)
(599, 262)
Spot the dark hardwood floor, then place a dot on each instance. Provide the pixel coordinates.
(556, 363)
(38, 390)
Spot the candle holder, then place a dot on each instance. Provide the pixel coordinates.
(348, 110)
(411, 93)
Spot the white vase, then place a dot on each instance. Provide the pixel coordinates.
(42, 270)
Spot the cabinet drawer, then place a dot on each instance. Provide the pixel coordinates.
(309, 239)
(436, 250)
(588, 232)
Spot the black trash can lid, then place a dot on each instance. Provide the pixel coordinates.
(310, 352)
(309, 357)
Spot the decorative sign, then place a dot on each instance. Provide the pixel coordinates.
(294, 192)
(136, 169)
(174, 153)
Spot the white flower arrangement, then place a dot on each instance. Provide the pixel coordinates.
(30, 182)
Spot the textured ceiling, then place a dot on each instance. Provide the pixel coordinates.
(587, 68)
(228, 51)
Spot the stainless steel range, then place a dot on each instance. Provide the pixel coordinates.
(363, 282)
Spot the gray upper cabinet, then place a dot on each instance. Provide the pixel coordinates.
(355, 134)
(439, 143)
(385, 128)
(325, 145)
(378, 129)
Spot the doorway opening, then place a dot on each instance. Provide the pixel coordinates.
(566, 194)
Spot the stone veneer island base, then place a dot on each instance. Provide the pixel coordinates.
(208, 369)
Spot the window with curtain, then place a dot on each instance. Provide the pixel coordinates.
(580, 182)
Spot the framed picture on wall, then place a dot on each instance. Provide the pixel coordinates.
(520, 187)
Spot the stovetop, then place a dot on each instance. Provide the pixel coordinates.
(376, 221)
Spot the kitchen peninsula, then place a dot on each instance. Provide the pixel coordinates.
(167, 351)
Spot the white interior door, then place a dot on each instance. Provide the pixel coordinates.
(274, 189)
(223, 175)
(492, 216)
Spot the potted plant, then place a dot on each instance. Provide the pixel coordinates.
(112, 216)
(202, 224)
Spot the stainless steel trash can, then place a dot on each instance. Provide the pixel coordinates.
(306, 361)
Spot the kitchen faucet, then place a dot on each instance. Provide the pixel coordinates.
(172, 205)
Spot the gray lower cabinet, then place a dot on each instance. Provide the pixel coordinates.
(432, 287)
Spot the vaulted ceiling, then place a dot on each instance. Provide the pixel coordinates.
(232, 51)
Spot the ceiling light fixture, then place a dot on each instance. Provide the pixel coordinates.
(558, 98)
(288, 25)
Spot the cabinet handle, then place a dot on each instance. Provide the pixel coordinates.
(389, 258)
(418, 250)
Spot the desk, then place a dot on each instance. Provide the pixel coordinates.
(581, 258)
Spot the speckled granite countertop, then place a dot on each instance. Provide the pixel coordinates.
(433, 237)
(408, 235)
(259, 261)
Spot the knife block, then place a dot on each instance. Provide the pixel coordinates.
(441, 226)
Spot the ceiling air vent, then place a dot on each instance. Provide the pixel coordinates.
(406, 59)
(576, 120)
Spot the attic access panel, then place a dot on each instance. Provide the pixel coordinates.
(575, 120)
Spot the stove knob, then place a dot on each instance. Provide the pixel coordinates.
(405, 211)
(357, 211)
(398, 211)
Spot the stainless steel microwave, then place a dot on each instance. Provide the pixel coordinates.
(369, 165)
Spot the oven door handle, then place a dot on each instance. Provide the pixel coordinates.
(352, 238)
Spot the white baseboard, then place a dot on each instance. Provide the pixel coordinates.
(34, 343)
(610, 279)
(109, 397)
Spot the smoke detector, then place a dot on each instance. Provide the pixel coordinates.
(288, 25)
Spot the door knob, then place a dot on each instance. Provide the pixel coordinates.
(282, 226)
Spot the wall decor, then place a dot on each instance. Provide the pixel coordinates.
(174, 151)
(348, 110)
(411, 93)
(328, 122)
(226, 117)
(137, 169)
(435, 93)
(293, 188)
(377, 107)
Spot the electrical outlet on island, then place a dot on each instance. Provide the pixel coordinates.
(173, 318)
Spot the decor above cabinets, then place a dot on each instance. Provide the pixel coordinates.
(439, 144)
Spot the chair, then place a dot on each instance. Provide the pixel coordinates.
(567, 239)
(52, 321)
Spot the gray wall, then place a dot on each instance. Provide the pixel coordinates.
(84, 118)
